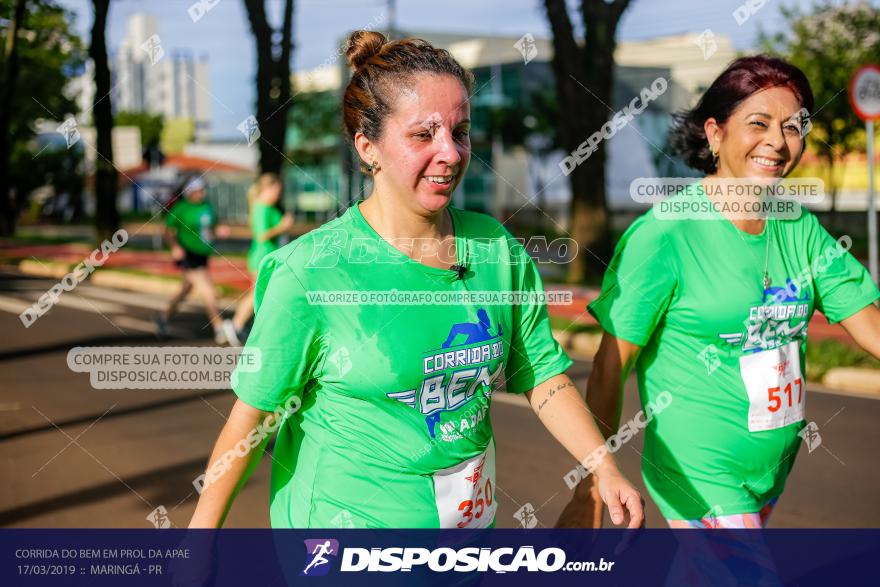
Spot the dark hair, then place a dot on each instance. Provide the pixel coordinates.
(742, 78)
(380, 68)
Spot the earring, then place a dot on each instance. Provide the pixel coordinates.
(714, 157)
(372, 167)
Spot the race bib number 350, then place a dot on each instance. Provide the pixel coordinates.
(465, 493)
(776, 387)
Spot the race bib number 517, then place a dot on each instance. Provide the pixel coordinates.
(776, 387)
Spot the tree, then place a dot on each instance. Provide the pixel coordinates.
(7, 91)
(584, 81)
(531, 121)
(273, 81)
(106, 214)
(150, 125)
(316, 124)
(39, 52)
(829, 44)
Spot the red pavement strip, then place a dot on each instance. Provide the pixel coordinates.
(228, 271)
(233, 272)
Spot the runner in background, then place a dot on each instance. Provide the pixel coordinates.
(190, 227)
(714, 311)
(268, 224)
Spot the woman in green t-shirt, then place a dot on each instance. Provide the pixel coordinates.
(711, 305)
(267, 225)
(190, 229)
(376, 342)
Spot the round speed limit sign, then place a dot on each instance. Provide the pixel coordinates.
(864, 92)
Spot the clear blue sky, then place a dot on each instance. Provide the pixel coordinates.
(223, 34)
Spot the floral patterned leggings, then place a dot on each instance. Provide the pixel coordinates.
(750, 520)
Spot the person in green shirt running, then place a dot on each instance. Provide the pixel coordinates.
(190, 227)
(381, 337)
(267, 225)
(713, 310)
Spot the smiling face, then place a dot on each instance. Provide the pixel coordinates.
(424, 149)
(761, 138)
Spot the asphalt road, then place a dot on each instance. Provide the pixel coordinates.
(74, 456)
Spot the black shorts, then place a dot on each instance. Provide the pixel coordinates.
(192, 261)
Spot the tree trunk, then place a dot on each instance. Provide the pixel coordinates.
(584, 85)
(8, 211)
(273, 83)
(106, 215)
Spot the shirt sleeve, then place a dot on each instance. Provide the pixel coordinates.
(285, 343)
(535, 356)
(843, 286)
(261, 222)
(638, 284)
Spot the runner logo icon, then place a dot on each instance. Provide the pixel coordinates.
(317, 553)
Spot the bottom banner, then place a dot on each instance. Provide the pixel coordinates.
(250, 558)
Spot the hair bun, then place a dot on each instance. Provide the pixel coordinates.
(362, 45)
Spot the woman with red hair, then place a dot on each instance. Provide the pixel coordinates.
(711, 305)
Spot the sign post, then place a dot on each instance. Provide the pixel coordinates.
(864, 95)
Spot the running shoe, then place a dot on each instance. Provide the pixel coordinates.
(231, 333)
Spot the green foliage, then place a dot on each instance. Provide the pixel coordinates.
(829, 43)
(150, 124)
(49, 53)
(31, 168)
(315, 122)
(824, 355)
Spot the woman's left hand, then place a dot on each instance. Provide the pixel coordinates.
(621, 497)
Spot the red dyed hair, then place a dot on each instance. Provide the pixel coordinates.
(742, 78)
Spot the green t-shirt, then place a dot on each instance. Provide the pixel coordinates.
(263, 218)
(690, 293)
(194, 224)
(394, 426)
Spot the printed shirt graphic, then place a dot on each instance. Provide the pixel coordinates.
(262, 218)
(194, 224)
(690, 293)
(453, 375)
(391, 393)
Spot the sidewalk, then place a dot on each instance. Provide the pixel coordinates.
(231, 272)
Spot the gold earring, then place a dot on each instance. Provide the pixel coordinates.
(714, 156)
(372, 167)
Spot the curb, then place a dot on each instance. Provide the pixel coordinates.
(583, 345)
(863, 381)
(845, 380)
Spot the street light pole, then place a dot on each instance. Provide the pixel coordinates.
(872, 206)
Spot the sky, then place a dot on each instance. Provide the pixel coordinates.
(223, 32)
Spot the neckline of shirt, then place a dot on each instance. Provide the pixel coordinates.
(437, 271)
(746, 236)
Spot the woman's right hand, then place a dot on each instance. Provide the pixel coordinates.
(621, 498)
